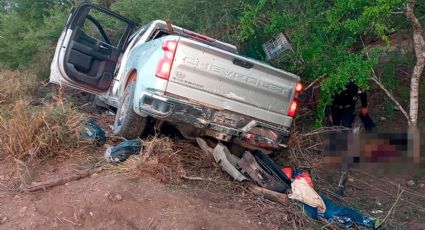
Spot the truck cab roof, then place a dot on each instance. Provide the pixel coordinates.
(159, 28)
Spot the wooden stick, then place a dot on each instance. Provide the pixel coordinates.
(196, 178)
(391, 209)
(314, 82)
(269, 194)
(61, 181)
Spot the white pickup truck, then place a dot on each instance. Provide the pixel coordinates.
(163, 73)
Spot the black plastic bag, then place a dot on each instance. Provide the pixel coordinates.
(123, 150)
(94, 132)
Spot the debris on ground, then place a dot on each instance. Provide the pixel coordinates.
(269, 194)
(60, 181)
(275, 182)
(94, 133)
(227, 161)
(260, 174)
(297, 174)
(410, 183)
(123, 150)
(304, 193)
(377, 212)
(342, 215)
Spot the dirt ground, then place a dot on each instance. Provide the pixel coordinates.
(118, 198)
(108, 201)
(121, 198)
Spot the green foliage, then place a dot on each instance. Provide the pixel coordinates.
(27, 27)
(218, 18)
(328, 35)
(387, 68)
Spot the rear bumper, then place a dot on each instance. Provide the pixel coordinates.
(224, 124)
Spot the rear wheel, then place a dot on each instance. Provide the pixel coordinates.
(127, 123)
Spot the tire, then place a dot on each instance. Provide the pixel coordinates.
(127, 123)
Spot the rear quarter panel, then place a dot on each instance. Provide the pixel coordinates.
(143, 58)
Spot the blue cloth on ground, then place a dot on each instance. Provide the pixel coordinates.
(345, 216)
(297, 172)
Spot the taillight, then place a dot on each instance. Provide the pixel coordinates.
(294, 104)
(293, 109)
(163, 69)
(298, 88)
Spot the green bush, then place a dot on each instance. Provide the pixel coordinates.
(28, 29)
(328, 35)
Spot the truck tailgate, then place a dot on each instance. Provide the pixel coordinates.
(227, 81)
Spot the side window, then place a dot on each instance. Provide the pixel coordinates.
(158, 34)
(138, 34)
(104, 28)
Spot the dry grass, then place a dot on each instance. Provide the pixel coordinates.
(167, 161)
(33, 132)
(30, 134)
(16, 85)
(306, 149)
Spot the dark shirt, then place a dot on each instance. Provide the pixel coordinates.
(349, 96)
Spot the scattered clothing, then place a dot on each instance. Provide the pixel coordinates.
(303, 192)
(299, 173)
(345, 216)
(123, 150)
(288, 172)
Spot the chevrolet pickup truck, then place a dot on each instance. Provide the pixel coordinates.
(163, 73)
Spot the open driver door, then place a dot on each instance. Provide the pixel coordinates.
(89, 48)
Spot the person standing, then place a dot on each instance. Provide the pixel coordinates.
(343, 113)
(343, 109)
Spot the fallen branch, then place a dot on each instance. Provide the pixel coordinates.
(269, 194)
(390, 96)
(61, 181)
(391, 209)
(197, 178)
(314, 82)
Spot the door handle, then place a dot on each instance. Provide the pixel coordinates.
(105, 47)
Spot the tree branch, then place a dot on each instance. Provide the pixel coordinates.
(314, 82)
(383, 88)
(390, 96)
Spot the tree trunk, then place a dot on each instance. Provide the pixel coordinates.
(419, 45)
(420, 62)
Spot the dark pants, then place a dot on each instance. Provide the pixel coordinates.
(343, 116)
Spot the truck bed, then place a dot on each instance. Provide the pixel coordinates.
(228, 81)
